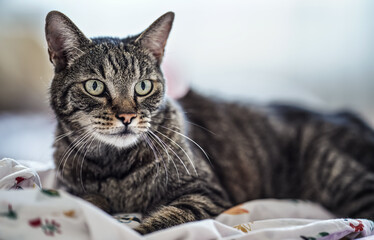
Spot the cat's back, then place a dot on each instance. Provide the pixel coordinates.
(243, 148)
(254, 149)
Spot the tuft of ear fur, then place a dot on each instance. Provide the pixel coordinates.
(65, 41)
(154, 37)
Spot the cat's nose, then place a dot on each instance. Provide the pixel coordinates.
(126, 118)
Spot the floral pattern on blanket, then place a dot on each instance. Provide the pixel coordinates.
(16, 176)
(46, 214)
(270, 219)
(348, 228)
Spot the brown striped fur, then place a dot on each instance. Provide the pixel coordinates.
(186, 161)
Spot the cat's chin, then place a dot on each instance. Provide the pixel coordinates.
(118, 140)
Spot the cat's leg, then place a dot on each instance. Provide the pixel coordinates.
(99, 201)
(336, 180)
(187, 208)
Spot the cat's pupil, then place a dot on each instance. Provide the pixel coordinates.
(94, 85)
(142, 85)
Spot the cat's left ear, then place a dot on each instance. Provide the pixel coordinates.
(154, 38)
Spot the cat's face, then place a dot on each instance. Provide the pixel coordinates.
(111, 93)
(106, 88)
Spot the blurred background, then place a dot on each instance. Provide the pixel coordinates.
(315, 53)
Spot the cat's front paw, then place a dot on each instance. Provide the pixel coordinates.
(146, 228)
(141, 230)
(98, 201)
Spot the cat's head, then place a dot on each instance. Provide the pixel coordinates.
(108, 88)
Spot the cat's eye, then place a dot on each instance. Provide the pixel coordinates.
(144, 87)
(94, 87)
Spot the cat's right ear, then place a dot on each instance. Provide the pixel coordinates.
(65, 41)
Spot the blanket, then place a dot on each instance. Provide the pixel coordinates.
(38, 213)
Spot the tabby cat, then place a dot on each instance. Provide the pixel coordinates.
(126, 147)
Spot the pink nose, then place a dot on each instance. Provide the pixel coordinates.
(126, 118)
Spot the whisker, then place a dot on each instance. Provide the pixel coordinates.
(81, 165)
(175, 166)
(162, 160)
(163, 145)
(67, 155)
(73, 143)
(65, 152)
(80, 147)
(154, 152)
(79, 144)
(83, 144)
(204, 128)
(61, 136)
(76, 144)
(159, 142)
(79, 153)
(206, 155)
(193, 166)
(195, 124)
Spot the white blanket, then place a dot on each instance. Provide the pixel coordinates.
(50, 214)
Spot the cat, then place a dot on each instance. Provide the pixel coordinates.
(124, 146)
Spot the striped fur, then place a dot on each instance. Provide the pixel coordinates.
(186, 161)
(287, 152)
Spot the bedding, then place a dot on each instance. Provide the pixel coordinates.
(38, 213)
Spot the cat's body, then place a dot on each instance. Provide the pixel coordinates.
(282, 151)
(126, 148)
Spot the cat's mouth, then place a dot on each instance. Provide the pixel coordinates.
(124, 132)
(123, 138)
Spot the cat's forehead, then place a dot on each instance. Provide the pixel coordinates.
(118, 63)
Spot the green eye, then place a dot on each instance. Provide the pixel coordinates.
(143, 88)
(94, 87)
